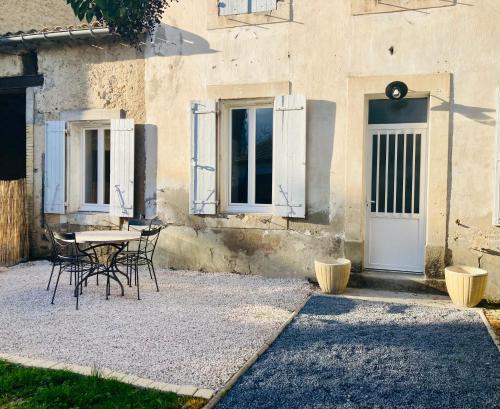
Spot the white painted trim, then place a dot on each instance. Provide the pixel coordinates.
(100, 206)
(225, 157)
(408, 126)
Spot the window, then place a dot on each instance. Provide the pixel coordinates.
(250, 159)
(260, 147)
(407, 110)
(232, 7)
(96, 169)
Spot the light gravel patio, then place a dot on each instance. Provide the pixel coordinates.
(198, 330)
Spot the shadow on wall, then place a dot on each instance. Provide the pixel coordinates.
(320, 136)
(151, 169)
(171, 41)
(485, 116)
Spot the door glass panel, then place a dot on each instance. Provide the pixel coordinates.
(107, 158)
(399, 173)
(409, 173)
(264, 156)
(416, 198)
(390, 174)
(239, 156)
(382, 172)
(91, 166)
(407, 110)
(373, 198)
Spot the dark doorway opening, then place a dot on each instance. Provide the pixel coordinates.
(13, 135)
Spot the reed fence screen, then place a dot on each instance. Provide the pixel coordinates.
(13, 223)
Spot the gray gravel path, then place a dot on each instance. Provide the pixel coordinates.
(199, 329)
(346, 353)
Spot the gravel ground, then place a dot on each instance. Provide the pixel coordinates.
(346, 353)
(199, 329)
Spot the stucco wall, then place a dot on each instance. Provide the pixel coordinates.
(317, 52)
(82, 77)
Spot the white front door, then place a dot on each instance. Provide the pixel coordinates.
(395, 206)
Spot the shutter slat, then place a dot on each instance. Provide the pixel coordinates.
(202, 192)
(122, 168)
(55, 154)
(289, 156)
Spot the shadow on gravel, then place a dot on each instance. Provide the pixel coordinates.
(344, 353)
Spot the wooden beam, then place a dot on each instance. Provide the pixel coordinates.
(21, 81)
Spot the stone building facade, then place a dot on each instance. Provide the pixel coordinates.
(265, 74)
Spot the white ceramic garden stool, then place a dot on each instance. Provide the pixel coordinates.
(465, 284)
(333, 275)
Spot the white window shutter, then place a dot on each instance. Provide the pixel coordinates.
(289, 156)
(202, 192)
(496, 208)
(121, 195)
(55, 167)
(263, 5)
(231, 7)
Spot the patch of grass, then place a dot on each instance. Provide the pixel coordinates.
(36, 388)
(492, 313)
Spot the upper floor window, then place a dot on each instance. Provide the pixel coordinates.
(231, 7)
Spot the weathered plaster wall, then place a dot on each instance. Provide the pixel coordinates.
(81, 77)
(10, 65)
(317, 52)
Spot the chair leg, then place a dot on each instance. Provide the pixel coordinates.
(51, 273)
(154, 275)
(57, 282)
(149, 268)
(137, 279)
(77, 284)
(108, 284)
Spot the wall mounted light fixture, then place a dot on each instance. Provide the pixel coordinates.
(396, 90)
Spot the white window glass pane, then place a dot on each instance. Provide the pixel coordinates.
(107, 173)
(264, 156)
(239, 156)
(91, 166)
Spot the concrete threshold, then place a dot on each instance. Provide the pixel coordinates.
(396, 281)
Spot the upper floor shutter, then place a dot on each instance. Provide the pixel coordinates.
(289, 156)
(230, 7)
(55, 167)
(121, 193)
(202, 192)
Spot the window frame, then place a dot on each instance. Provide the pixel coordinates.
(100, 207)
(226, 157)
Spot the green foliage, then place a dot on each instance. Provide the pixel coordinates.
(129, 18)
(35, 388)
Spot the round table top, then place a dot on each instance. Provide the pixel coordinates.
(107, 236)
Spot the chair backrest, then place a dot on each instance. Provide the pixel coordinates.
(63, 244)
(147, 243)
(141, 224)
(138, 224)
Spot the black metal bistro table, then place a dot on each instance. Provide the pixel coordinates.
(116, 241)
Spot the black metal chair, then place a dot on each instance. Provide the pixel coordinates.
(69, 258)
(142, 256)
